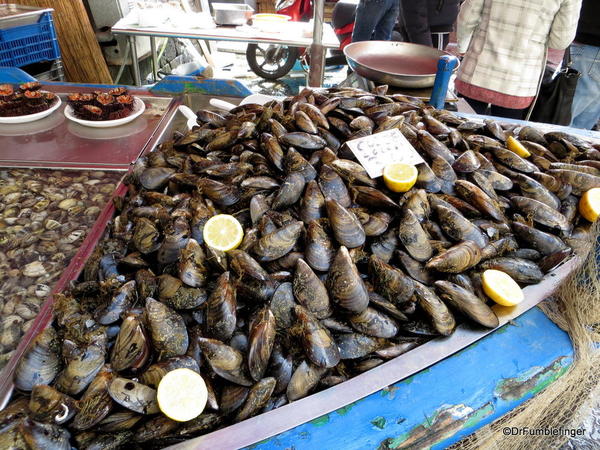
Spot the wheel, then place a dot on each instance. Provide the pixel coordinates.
(271, 61)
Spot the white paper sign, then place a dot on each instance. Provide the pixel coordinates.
(378, 150)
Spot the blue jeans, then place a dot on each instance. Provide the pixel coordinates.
(375, 19)
(586, 104)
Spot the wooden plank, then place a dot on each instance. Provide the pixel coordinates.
(81, 55)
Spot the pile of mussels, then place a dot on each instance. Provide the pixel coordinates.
(334, 276)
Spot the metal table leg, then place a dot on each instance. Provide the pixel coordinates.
(137, 79)
(317, 52)
(154, 59)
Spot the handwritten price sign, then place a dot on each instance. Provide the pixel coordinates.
(378, 150)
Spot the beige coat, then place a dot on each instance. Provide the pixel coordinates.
(505, 41)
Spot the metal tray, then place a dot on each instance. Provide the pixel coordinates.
(232, 13)
(55, 142)
(391, 63)
(274, 422)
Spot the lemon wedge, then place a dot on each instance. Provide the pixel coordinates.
(223, 232)
(514, 145)
(400, 177)
(182, 395)
(589, 205)
(501, 288)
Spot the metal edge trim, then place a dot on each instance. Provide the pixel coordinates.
(71, 272)
(282, 419)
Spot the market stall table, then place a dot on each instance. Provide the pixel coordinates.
(435, 406)
(293, 36)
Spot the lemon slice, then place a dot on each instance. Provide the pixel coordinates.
(223, 232)
(589, 205)
(182, 395)
(501, 288)
(400, 177)
(517, 147)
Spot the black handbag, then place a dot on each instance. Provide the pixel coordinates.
(555, 97)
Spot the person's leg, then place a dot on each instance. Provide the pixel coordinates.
(383, 30)
(368, 15)
(585, 110)
(440, 40)
(478, 107)
(509, 113)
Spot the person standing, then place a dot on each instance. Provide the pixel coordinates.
(585, 54)
(505, 44)
(375, 19)
(429, 22)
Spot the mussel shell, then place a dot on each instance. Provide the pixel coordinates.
(303, 380)
(81, 370)
(119, 421)
(456, 259)
(467, 303)
(121, 301)
(134, 396)
(310, 292)
(290, 191)
(257, 398)
(345, 226)
(279, 242)
(145, 236)
(357, 345)
(46, 404)
(546, 243)
(458, 227)
(155, 428)
(155, 177)
(96, 403)
(416, 270)
(153, 374)
(345, 285)
(521, 270)
(318, 344)
(132, 348)
(389, 281)
(167, 329)
(441, 318)
(332, 186)
(226, 361)
(282, 305)
(40, 363)
(261, 341)
(384, 246)
(318, 251)
(221, 309)
(374, 323)
(44, 435)
(413, 237)
(466, 162)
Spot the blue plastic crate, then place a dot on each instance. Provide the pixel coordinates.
(29, 44)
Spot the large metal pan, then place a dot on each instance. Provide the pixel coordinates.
(399, 64)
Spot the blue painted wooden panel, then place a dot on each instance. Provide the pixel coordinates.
(442, 404)
(173, 84)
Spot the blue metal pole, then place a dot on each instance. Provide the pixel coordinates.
(446, 66)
